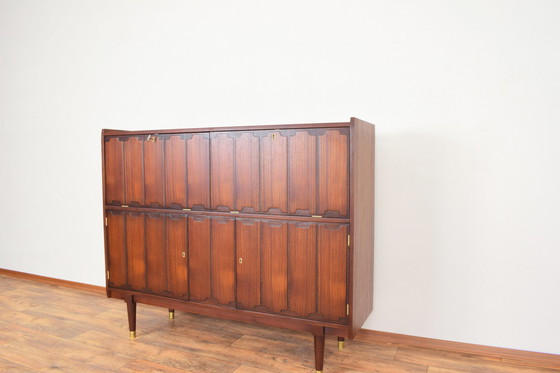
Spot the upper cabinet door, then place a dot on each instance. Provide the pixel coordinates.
(114, 171)
(158, 171)
(333, 173)
(296, 172)
(318, 172)
(187, 171)
(235, 163)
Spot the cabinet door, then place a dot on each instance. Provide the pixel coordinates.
(176, 256)
(248, 263)
(222, 260)
(302, 269)
(318, 169)
(175, 171)
(158, 171)
(235, 171)
(187, 171)
(332, 244)
(211, 260)
(135, 251)
(154, 173)
(261, 265)
(147, 253)
(332, 172)
(274, 172)
(198, 171)
(292, 268)
(116, 249)
(114, 171)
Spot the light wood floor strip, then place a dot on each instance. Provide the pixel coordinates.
(46, 327)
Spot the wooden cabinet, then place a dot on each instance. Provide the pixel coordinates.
(266, 224)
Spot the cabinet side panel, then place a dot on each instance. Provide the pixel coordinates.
(135, 249)
(332, 248)
(116, 248)
(199, 258)
(222, 170)
(274, 252)
(333, 172)
(302, 268)
(198, 172)
(175, 172)
(177, 285)
(302, 158)
(155, 253)
(154, 173)
(223, 261)
(247, 173)
(274, 173)
(134, 171)
(248, 263)
(362, 190)
(114, 172)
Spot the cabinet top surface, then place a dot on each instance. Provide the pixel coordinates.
(113, 132)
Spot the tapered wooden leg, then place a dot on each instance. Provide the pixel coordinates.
(319, 351)
(171, 314)
(340, 343)
(131, 308)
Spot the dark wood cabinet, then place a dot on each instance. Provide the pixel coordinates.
(265, 224)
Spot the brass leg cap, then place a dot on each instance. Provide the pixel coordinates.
(340, 345)
(319, 371)
(132, 335)
(171, 315)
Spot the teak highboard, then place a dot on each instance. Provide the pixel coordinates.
(262, 224)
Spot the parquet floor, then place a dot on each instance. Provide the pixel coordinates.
(48, 328)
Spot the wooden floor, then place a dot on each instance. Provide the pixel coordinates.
(47, 328)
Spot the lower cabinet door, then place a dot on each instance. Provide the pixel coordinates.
(148, 253)
(292, 268)
(211, 257)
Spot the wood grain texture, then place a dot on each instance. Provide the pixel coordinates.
(361, 222)
(302, 176)
(114, 171)
(247, 173)
(274, 270)
(331, 270)
(50, 324)
(135, 251)
(155, 253)
(222, 172)
(154, 173)
(274, 173)
(117, 257)
(200, 273)
(223, 261)
(134, 171)
(198, 172)
(176, 237)
(248, 248)
(175, 172)
(302, 268)
(333, 173)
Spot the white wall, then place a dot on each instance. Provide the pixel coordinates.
(465, 96)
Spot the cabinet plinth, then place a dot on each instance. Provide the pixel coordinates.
(264, 224)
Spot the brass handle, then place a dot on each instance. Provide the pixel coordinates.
(183, 254)
(240, 260)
